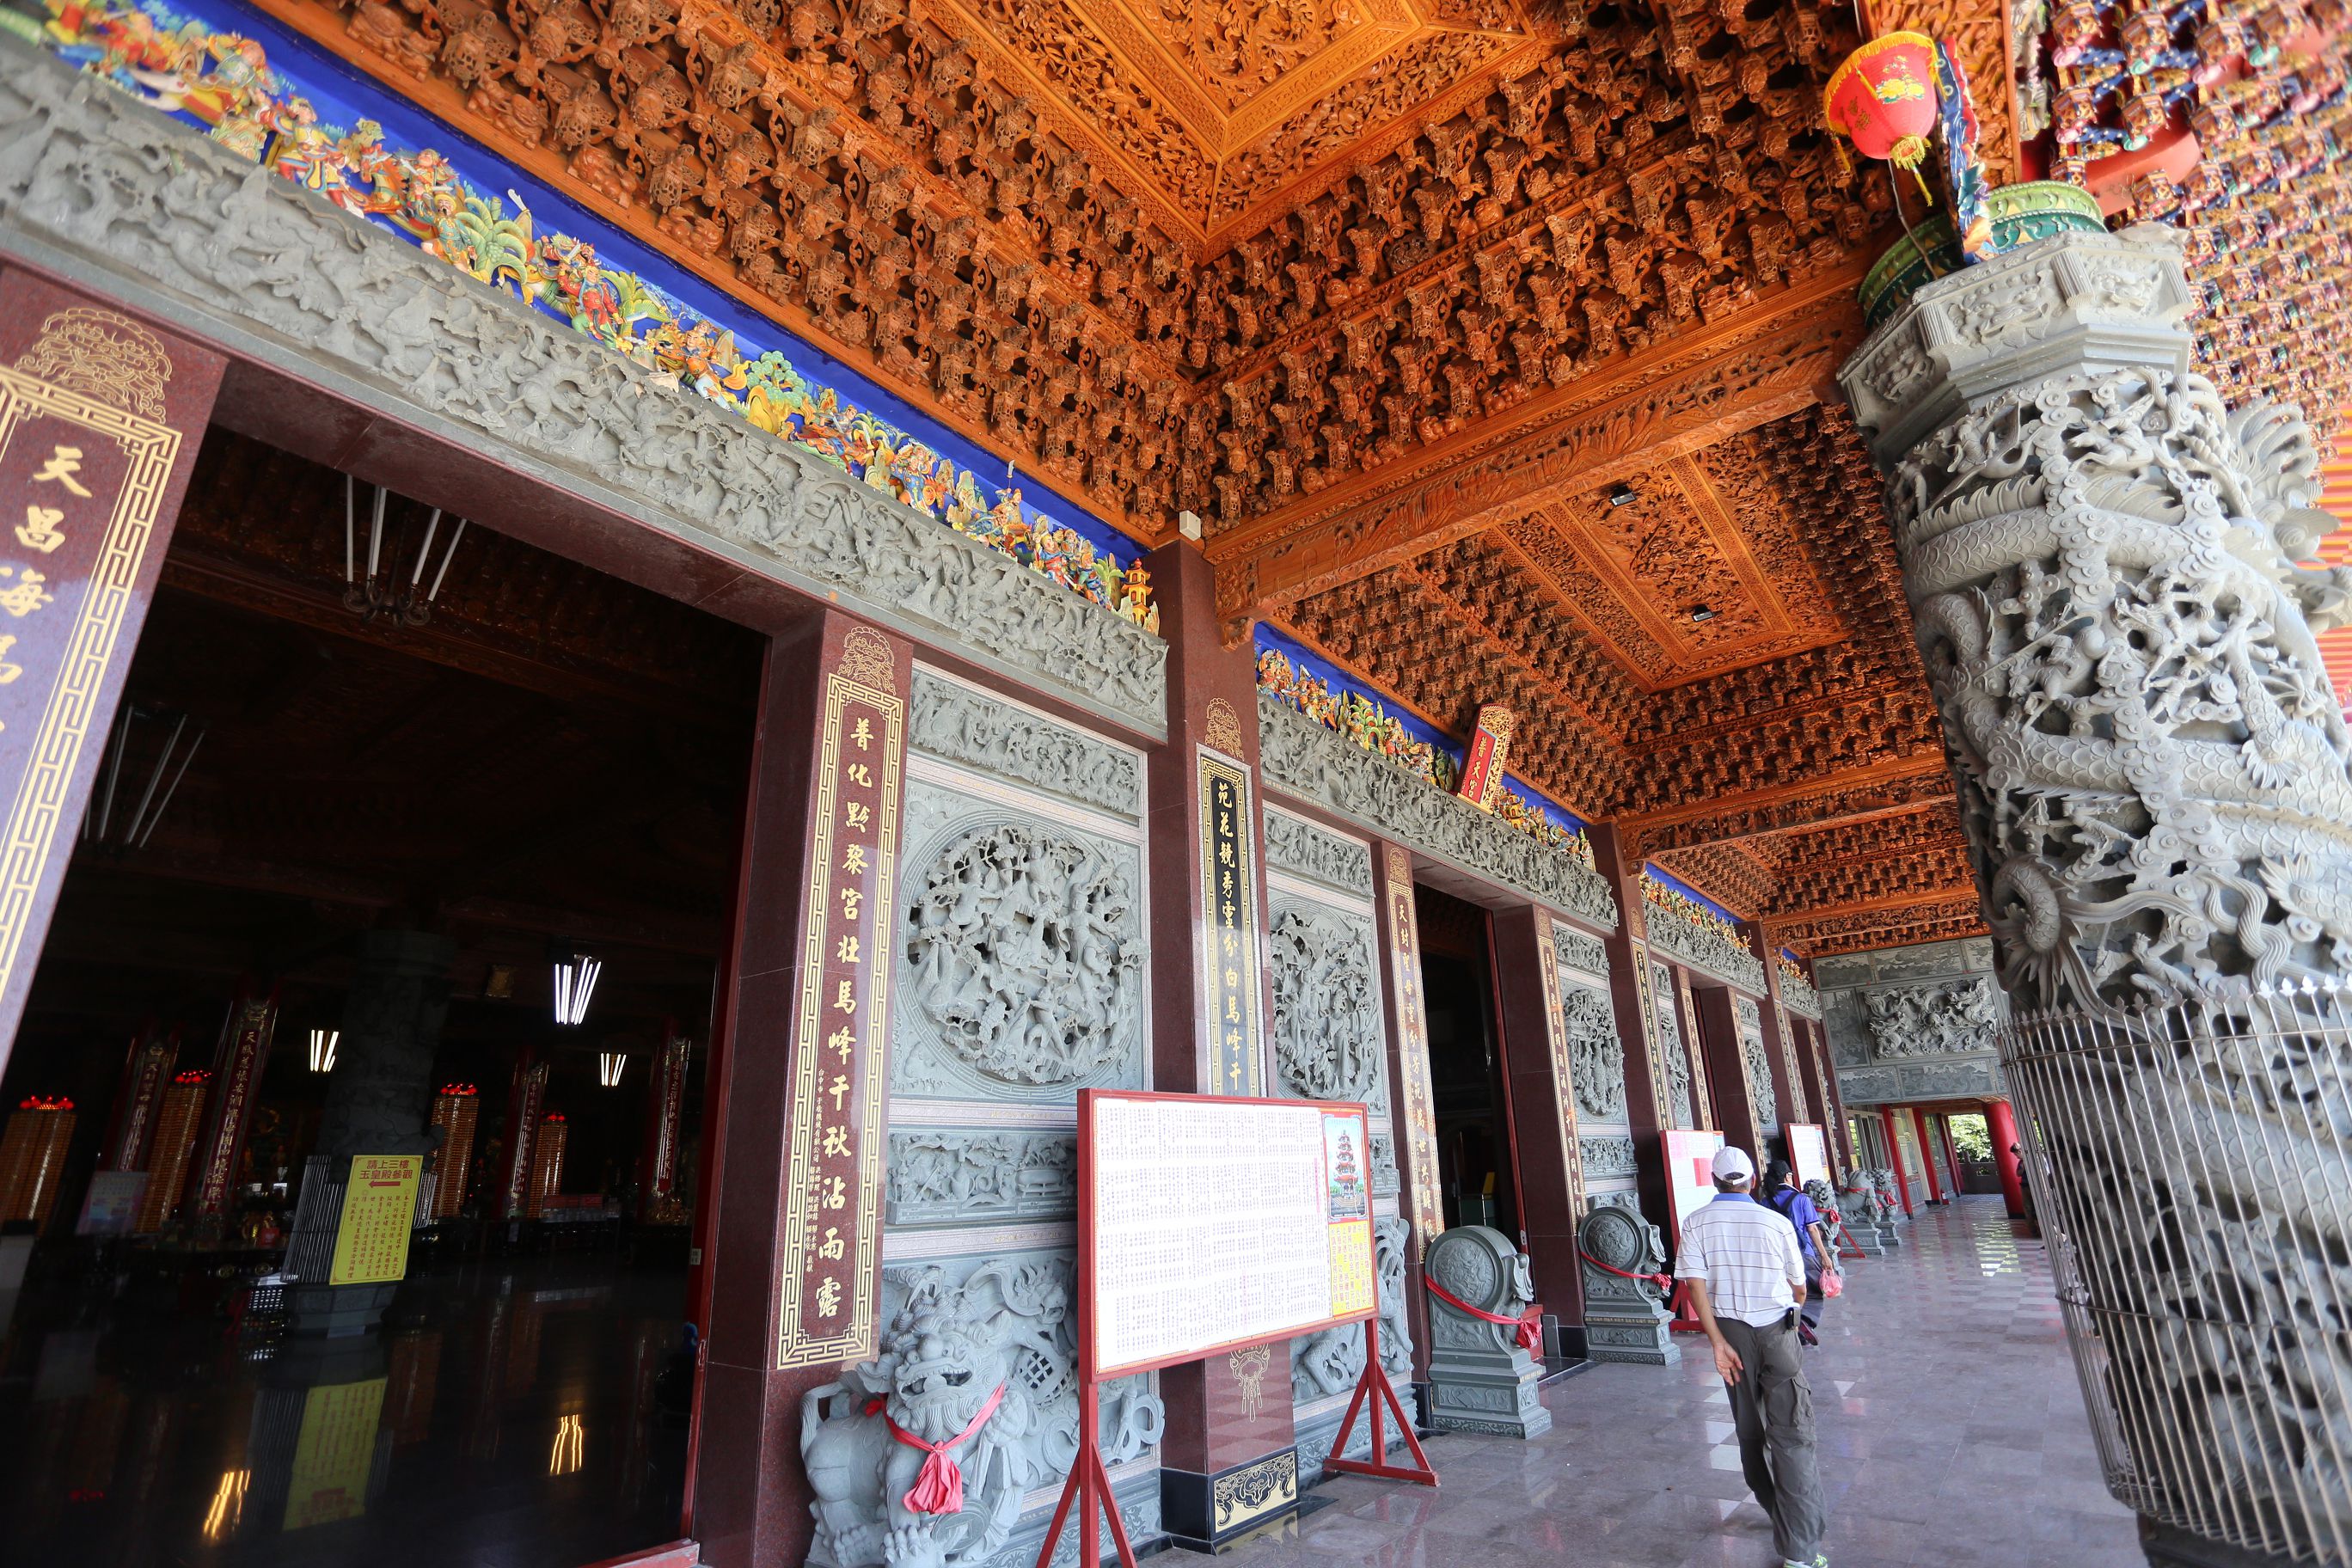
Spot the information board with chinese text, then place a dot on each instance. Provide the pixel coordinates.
(1208, 1222)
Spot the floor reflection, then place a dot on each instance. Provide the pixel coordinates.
(514, 1414)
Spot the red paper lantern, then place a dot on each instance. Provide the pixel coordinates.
(1884, 98)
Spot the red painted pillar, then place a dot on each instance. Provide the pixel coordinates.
(1895, 1157)
(1927, 1155)
(2000, 1121)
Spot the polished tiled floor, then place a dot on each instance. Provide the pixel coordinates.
(1952, 1432)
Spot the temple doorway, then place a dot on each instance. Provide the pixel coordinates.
(395, 926)
(1477, 1165)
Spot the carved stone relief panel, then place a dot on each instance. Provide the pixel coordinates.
(1608, 1155)
(1310, 763)
(957, 1330)
(969, 1177)
(1021, 961)
(1757, 1062)
(962, 725)
(1585, 954)
(1596, 1053)
(1954, 1017)
(1297, 846)
(1670, 1047)
(1330, 1027)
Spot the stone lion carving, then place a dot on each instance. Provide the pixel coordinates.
(1330, 1362)
(1596, 1056)
(1861, 1200)
(1327, 1040)
(1825, 1203)
(1023, 954)
(1933, 1020)
(947, 1350)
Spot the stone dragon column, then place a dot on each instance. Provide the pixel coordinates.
(2101, 560)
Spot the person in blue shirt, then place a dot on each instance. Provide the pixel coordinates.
(1812, 1240)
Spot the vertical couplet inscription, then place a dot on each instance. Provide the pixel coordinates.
(1563, 1086)
(1413, 1055)
(243, 1054)
(85, 461)
(1229, 901)
(834, 1177)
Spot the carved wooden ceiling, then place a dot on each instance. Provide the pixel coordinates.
(1390, 292)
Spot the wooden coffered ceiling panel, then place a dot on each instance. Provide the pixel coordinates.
(1672, 581)
(1222, 109)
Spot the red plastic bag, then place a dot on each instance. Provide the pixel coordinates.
(1832, 1284)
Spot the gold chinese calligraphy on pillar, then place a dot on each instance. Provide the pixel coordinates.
(86, 465)
(833, 1171)
(1411, 1064)
(1229, 914)
(1563, 1084)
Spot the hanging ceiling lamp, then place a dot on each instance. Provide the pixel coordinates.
(609, 1065)
(322, 1049)
(575, 982)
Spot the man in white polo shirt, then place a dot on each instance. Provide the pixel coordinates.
(1747, 1281)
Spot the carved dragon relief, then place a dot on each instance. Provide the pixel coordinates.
(1947, 1019)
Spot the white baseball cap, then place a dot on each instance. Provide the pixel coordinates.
(1733, 1165)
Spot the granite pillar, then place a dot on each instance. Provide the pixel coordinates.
(1543, 1106)
(2155, 779)
(1212, 996)
(793, 1264)
(378, 1100)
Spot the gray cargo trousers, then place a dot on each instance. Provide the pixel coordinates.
(1773, 1408)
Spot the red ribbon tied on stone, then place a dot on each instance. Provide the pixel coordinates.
(939, 1486)
(1528, 1323)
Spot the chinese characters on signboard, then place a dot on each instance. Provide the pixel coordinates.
(834, 1174)
(1490, 750)
(1411, 1063)
(379, 1208)
(1229, 905)
(1563, 1087)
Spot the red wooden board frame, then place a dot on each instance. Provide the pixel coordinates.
(1087, 1099)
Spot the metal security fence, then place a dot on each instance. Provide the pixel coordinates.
(2190, 1167)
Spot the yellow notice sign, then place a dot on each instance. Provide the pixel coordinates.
(379, 1205)
(334, 1451)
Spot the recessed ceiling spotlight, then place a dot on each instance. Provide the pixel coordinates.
(1702, 612)
(1623, 495)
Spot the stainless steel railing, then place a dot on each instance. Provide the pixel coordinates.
(2189, 1166)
